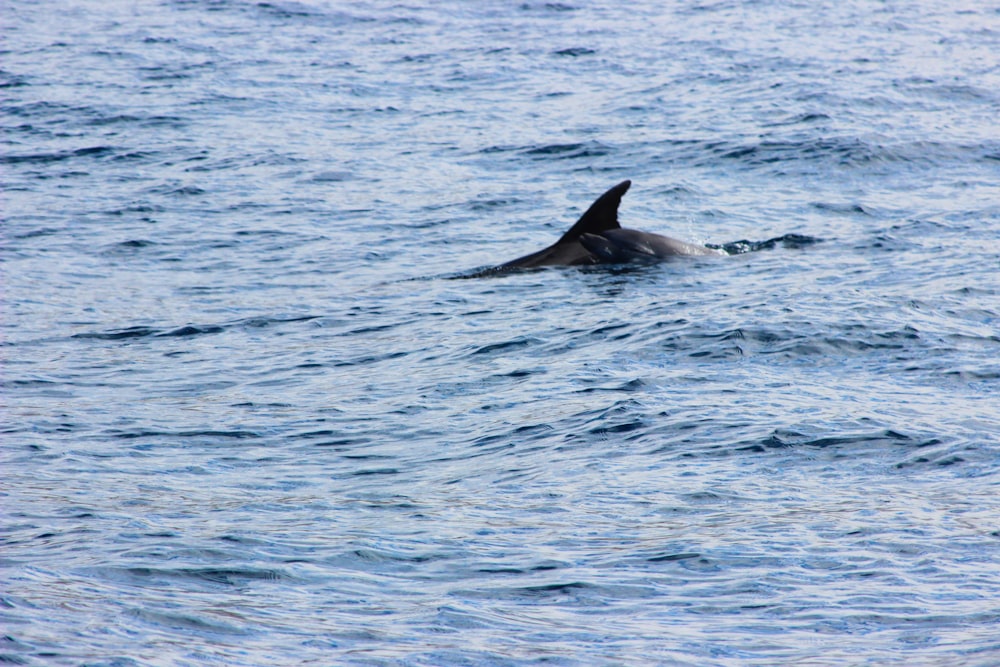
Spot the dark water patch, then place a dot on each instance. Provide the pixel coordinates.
(567, 151)
(191, 330)
(366, 457)
(265, 232)
(567, 594)
(521, 373)
(782, 439)
(388, 561)
(853, 208)
(142, 433)
(629, 386)
(557, 7)
(505, 346)
(145, 331)
(197, 626)
(575, 52)
(40, 231)
(601, 332)
(119, 334)
(136, 207)
(57, 156)
(333, 177)
(177, 190)
(489, 150)
(363, 331)
(946, 90)
(12, 80)
(790, 156)
(843, 151)
(725, 344)
(549, 590)
(622, 427)
(491, 204)
(540, 567)
(807, 118)
(942, 461)
(343, 443)
(793, 343)
(265, 322)
(624, 419)
(312, 434)
(193, 575)
(136, 156)
(887, 242)
(375, 471)
(528, 433)
(46, 110)
(671, 557)
(153, 121)
(384, 555)
(368, 359)
(240, 539)
(974, 374)
(130, 245)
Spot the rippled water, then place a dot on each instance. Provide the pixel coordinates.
(250, 418)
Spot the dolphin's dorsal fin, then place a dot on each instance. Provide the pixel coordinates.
(568, 251)
(601, 216)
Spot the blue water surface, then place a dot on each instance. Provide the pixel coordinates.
(251, 417)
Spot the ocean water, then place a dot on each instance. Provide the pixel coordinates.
(251, 417)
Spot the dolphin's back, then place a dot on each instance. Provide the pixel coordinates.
(600, 217)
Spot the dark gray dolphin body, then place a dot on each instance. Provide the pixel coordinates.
(597, 238)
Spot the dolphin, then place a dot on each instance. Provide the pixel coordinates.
(597, 238)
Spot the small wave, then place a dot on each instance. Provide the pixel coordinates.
(568, 151)
(119, 334)
(262, 322)
(806, 118)
(850, 208)
(490, 204)
(137, 119)
(143, 332)
(11, 80)
(367, 359)
(375, 471)
(187, 623)
(58, 156)
(41, 231)
(630, 385)
(130, 245)
(547, 6)
(177, 191)
(552, 151)
(782, 438)
(504, 346)
(575, 52)
(333, 177)
(148, 433)
(228, 576)
(845, 151)
(190, 330)
(47, 109)
(666, 558)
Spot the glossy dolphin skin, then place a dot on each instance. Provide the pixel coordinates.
(597, 238)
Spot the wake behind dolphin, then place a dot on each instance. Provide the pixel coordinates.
(598, 238)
